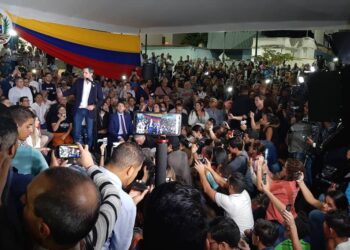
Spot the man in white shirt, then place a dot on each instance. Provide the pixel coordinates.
(125, 163)
(18, 91)
(40, 109)
(237, 204)
(337, 229)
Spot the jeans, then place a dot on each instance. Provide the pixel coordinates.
(308, 170)
(275, 168)
(281, 237)
(317, 240)
(80, 115)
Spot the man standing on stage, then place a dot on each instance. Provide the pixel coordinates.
(88, 97)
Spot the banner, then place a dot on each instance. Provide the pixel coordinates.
(110, 55)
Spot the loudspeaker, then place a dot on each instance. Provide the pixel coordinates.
(325, 96)
(148, 71)
(345, 80)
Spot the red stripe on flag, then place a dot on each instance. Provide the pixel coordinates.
(111, 70)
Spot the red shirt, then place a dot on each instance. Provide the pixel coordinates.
(286, 192)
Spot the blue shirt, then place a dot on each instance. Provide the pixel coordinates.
(216, 114)
(124, 227)
(29, 160)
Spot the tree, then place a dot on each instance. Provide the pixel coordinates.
(195, 39)
(273, 57)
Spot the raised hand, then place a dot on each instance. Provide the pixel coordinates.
(301, 177)
(200, 167)
(85, 159)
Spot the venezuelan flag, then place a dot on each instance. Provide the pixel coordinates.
(111, 55)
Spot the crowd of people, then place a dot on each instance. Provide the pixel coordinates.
(245, 172)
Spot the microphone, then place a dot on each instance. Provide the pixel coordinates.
(89, 80)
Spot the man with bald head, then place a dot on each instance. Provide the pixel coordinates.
(61, 214)
(65, 210)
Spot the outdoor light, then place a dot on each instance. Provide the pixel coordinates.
(229, 89)
(301, 79)
(34, 71)
(335, 59)
(312, 69)
(124, 77)
(13, 32)
(268, 81)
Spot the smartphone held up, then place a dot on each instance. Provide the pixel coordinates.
(70, 151)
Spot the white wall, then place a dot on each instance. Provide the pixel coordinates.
(303, 49)
(156, 39)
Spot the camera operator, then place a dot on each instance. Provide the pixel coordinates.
(178, 160)
(125, 163)
(145, 141)
(298, 138)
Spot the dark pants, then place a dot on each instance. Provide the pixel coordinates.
(316, 219)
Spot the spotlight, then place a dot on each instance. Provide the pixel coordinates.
(13, 32)
(230, 89)
(34, 71)
(268, 81)
(301, 79)
(124, 77)
(335, 59)
(206, 73)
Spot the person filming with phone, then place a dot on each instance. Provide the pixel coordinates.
(237, 204)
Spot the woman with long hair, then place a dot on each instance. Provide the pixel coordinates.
(333, 200)
(198, 115)
(36, 139)
(269, 124)
(282, 185)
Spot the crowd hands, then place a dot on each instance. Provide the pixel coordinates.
(233, 175)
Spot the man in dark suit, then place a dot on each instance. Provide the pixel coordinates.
(141, 92)
(88, 97)
(120, 125)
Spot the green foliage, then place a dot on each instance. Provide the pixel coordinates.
(195, 39)
(273, 57)
(6, 25)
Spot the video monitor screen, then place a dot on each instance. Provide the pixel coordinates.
(157, 124)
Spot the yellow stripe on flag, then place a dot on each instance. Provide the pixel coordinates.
(82, 36)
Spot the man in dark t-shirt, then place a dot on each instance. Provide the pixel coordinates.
(50, 87)
(240, 162)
